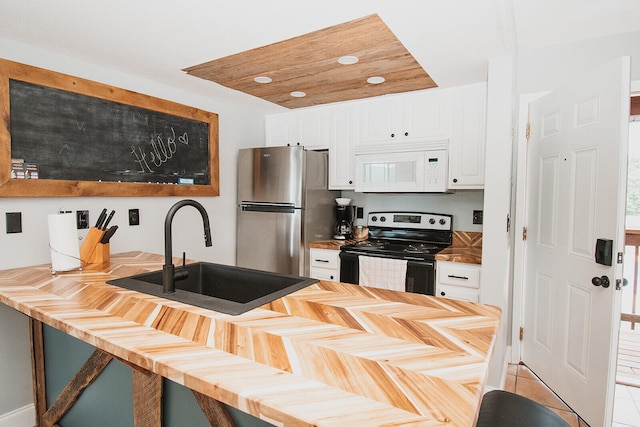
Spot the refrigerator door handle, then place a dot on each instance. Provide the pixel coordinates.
(268, 207)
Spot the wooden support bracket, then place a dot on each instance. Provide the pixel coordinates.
(215, 411)
(37, 369)
(147, 399)
(147, 390)
(80, 381)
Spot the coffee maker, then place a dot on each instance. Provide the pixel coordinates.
(344, 219)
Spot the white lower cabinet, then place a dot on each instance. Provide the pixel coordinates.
(458, 280)
(324, 264)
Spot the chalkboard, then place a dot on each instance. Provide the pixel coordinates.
(70, 136)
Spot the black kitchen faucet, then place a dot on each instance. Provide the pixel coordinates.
(169, 275)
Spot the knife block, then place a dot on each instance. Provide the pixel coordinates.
(92, 251)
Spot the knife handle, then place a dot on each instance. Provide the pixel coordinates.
(106, 223)
(101, 218)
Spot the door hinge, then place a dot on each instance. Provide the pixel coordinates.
(521, 333)
(620, 257)
(528, 131)
(524, 233)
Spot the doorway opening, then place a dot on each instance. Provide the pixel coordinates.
(629, 346)
(627, 393)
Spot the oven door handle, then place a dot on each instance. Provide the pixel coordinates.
(453, 276)
(409, 259)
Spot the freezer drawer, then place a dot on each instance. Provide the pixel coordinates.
(270, 240)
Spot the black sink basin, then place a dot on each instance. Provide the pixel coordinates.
(223, 288)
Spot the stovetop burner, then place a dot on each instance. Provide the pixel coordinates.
(371, 244)
(420, 248)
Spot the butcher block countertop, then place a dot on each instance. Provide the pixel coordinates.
(334, 244)
(466, 247)
(332, 354)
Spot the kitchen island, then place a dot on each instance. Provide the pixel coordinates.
(329, 354)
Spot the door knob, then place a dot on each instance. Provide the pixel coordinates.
(601, 281)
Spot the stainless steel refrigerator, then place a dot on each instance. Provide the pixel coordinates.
(283, 204)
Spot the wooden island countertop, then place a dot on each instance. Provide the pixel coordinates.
(330, 354)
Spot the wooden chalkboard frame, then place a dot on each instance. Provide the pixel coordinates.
(59, 188)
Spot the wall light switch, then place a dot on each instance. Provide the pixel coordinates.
(134, 217)
(14, 222)
(82, 219)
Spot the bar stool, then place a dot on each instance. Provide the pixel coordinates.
(504, 409)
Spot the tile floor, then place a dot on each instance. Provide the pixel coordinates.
(522, 381)
(626, 411)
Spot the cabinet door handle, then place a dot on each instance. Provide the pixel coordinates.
(453, 276)
(322, 260)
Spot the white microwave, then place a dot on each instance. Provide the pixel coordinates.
(423, 171)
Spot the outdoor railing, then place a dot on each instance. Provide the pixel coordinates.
(632, 240)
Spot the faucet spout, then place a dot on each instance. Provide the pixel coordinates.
(168, 269)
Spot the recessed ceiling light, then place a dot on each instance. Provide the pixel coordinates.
(262, 79)
(348, 59)
(298, 94)
(376, 80)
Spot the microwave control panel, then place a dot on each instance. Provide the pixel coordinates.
(435, 170)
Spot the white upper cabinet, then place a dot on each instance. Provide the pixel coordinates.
(343, 133)
(412, 117)
(456, 116)
(308, 128)
(279, 129)
(467, 146)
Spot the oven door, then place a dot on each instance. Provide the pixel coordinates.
(421, 275)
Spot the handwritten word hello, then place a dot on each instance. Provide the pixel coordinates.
(161, 151)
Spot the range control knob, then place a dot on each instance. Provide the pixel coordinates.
(432, 221)
(442, 221)
(374, 218)
(383, 218)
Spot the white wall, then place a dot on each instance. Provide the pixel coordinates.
(496, 242)
(546, 68)
(238, 127)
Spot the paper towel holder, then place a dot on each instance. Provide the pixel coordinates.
(63, 242)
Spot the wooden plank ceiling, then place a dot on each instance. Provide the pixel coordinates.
(309, 64)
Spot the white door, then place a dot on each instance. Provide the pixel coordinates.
(576, 195)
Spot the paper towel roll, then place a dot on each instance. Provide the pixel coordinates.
(63, 242)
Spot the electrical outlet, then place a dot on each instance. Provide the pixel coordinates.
(477, 217)
(82, 219)
(134, 217)
(14, 222)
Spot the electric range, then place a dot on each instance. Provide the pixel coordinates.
(412, 236)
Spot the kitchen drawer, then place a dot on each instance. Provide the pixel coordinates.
(458, 274)
(324, 258)
(458, 292)
(325, 274)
